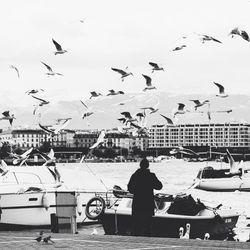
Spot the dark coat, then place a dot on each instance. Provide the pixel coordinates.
(142, 184)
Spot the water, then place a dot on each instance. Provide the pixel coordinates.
(176, 175)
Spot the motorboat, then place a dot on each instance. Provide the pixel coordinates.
(214, 179)
(29, 195)
(231, 178)
(171, 214)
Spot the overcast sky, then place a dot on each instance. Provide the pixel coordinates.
(120, 34)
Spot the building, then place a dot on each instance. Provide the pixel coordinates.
(190, 135)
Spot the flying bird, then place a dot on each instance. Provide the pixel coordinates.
(148, 83)
(169, 121)
(181, 109)
(42, 101)
(234, 169)
(53, 132)
(221, 90)
(199, 103)
(3, 168)
(51, 72)
(33, 91)
(100, 140)
(179, 47)
(22, 158)
(155, 66)
(112, 92)
(205, 38)
(122, 72)
(152, 109)
(59, 49)
(7, 116)
(241, 33)
(84, 104)
(16, 69)
(94, 94)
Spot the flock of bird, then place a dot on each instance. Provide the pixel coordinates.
(137, 123)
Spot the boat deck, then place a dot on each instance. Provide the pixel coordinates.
(84, 240)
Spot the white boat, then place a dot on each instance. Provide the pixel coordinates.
(212, 179)
(29, 196)
(171, 214)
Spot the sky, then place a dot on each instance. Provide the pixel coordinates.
(122, 34)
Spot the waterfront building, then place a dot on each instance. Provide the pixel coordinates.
(224, 135)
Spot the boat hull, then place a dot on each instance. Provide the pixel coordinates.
(167, 226)
(224, 184)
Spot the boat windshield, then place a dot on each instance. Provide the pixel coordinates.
(20, 178)
(210, 173)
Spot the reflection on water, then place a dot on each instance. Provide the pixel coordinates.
(176, 176)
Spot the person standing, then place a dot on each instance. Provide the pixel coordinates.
(142, 184)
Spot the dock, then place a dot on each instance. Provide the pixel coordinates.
(84, 239)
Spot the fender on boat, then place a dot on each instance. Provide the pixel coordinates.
(95, 208)
(78, 204)
(45, 201)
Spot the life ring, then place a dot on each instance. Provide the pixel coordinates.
(95, 208)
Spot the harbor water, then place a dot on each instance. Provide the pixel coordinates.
(176, 175)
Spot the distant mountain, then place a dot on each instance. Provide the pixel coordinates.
(107, 109)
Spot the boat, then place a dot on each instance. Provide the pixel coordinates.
(171, 213)
(231, 178)
(29, 196)
(212, 179)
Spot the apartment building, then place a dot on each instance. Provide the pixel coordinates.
(215, 135)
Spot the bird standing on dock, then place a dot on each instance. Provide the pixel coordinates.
(122, 72)
(206, 236)
(187, 233)
(59, 49)
(40, 237)
(181, 232)
(48, 239)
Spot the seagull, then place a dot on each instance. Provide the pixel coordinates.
(94, 94)
(42, 101)
(7, 116)
(48, 239)
(152, 109)
(112, 92)
(180, 110)
(87, 114)
(181, 232)
(23, 157)
(122, 72)
(33, 91)
(53, 132)
(155, 66)
(169, 121)
(3, 168)
(100, 140)
(198, 103)
(186, 235)
(221, 90)
(179, 47)
(40, 237)
(148, 83)
(205, 38)
(59, 49)
(234, 169)
(16, 69)
(51, 72)
(84, 104)
(206, 236)
(242, 33)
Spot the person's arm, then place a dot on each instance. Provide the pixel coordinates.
(156, 183)
(131, 185)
